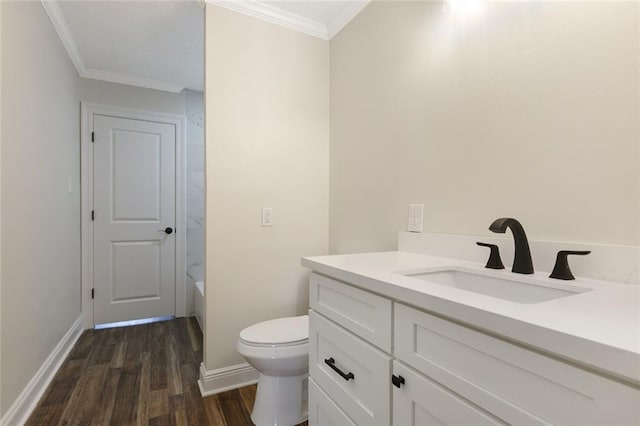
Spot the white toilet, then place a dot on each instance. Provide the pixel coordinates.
(279, 350)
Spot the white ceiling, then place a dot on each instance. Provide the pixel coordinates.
(160, 44)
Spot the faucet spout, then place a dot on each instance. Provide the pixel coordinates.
(522, 263)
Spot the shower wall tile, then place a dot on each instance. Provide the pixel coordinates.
(194, 111)
(195, 157)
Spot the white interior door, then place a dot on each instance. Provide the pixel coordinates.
(134, 258)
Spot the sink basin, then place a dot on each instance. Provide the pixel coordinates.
(501, 288)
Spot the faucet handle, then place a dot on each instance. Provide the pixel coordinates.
(561, 269)
(494, 261)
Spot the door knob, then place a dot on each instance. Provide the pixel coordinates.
(168, 230)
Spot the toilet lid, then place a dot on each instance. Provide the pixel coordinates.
(278, 331)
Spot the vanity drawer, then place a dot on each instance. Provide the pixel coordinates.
(364, 313)
(421, 401)
(366, 396)
(515, 384)
(323, 411)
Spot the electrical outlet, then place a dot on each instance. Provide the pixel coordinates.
(267, 216)
(415, 217)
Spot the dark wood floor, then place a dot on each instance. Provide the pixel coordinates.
(142, 375)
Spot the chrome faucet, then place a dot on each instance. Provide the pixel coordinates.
(522, 263)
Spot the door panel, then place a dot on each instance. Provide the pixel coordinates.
(136, 171)
(127, 255)
(134, 200)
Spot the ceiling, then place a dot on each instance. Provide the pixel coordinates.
(160, 44)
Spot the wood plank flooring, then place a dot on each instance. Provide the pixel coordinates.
(140, 375)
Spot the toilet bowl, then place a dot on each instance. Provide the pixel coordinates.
(279, 350)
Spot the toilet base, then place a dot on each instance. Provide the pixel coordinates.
(281, 401)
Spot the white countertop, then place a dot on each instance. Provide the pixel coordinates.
(599, 328)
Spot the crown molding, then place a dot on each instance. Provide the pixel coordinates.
(254, 8)
(350, 11)
(262, 10)
(130, 80)
(61, 26)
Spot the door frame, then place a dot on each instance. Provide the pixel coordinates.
(89, 110)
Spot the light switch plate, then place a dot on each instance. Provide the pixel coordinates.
(414, 223)
(267, 216)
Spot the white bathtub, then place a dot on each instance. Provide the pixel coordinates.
(198, 303)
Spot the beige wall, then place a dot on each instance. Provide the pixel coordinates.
(528, 110)
(40, 219)
(267, 145)
(103, 92)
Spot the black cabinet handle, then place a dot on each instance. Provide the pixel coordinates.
(332, 363)
(397, 380)
(168, 230)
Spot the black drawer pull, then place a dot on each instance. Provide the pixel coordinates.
(397, 380)
(332, 363)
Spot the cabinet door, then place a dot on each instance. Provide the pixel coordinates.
(323, 411)
(518, 385)
(421, 401)
(354, 373)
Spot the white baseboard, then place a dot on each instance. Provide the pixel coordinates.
(22, 407)
(227, 378)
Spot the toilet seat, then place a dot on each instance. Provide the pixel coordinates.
(281, 332)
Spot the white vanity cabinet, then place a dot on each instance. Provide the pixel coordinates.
(443, 372)
(515, 384)
(343, 361)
